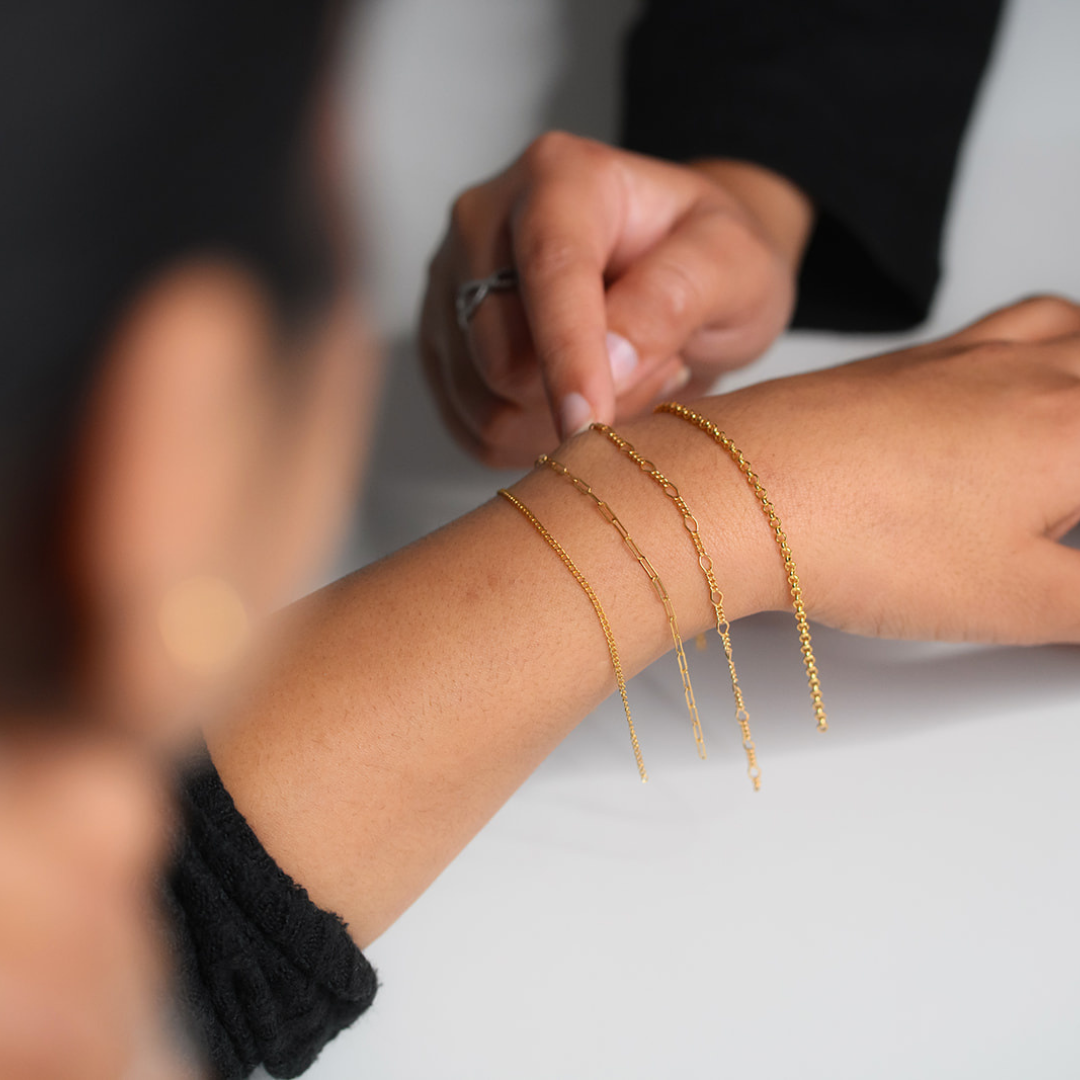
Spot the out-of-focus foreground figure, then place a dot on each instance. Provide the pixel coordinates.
(179, 433)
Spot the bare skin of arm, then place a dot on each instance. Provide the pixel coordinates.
(418, 694)
(422, 691)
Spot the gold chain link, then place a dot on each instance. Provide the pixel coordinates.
(609, 515)
(683, 413)
(723, 627)
(613, 652)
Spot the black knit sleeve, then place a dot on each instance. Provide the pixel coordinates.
(862, 103)
(265, 977)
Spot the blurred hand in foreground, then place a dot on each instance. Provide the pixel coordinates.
(83, 987)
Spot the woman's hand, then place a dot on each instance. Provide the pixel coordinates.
(923, 491)
(636, 277)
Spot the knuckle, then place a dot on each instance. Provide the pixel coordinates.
(494, 366)
(506, 378)
(1050, 306)
(498, 448)
(677, 291)
(736, 231)
(550, 150)
(464, 211)
(546, 255)
(743, 245)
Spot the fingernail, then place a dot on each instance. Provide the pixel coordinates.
(575, 415)
(676, 382)
(623, 358)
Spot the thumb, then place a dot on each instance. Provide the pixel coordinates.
(708, 283)
(1037, 318)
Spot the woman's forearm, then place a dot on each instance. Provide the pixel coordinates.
(419, 693)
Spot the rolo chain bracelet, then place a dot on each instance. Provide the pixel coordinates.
(709, 428)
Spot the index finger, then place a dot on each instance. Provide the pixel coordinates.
(563, 230)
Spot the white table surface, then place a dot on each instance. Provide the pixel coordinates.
(902, 899)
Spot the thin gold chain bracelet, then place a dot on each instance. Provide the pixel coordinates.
(673, 408)
(716, 597)
(609, 516)
(613, 652)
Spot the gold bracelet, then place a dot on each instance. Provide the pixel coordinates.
(608, 514)
(683, 413)
(613, 652)
(723, 627)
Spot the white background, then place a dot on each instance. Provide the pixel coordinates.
(902, 899)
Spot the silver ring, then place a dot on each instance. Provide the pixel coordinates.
(471, 295)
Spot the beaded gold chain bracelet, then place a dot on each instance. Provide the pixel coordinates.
(609, 637)
(716, 597)
(609, 516)
(709, 428)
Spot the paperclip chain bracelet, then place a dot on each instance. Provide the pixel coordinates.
(609, 515)
(673, 408)
(613, 652)
(716, 597)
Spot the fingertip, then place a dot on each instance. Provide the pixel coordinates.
(676, 381)
(623, 359)
(575, 415)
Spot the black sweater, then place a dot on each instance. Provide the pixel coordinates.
(862, 103)
(265, 977)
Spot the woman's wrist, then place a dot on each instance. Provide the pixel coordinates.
(731, 527)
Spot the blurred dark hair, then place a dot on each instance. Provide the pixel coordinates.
(132, 134)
